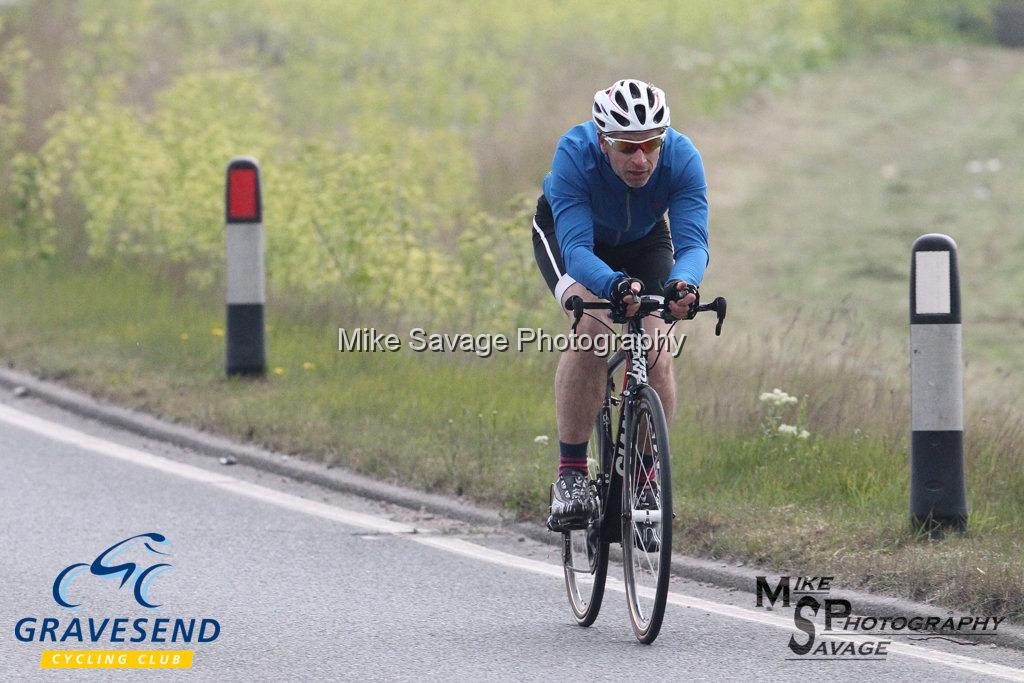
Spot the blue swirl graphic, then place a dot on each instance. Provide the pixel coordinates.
(98, 567)
(58, 585)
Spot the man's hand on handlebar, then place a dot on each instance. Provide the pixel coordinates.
(681, 300)
(626, 295)
(679, 294)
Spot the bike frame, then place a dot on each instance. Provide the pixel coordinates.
(612, 469)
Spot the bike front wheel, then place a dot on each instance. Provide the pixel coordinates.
(585, 551)
(647, 515)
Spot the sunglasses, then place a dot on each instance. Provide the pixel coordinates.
(629, 147)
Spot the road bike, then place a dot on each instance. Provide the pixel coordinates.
(629, 472)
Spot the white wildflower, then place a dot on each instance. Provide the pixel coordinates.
(993, 165)
(542, 440)
(975, 166)
(788, 429)
(777, 397)
(803, 434)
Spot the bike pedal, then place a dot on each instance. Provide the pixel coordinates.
(574, 524)
(556, 528)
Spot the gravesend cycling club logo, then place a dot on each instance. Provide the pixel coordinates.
(127, 570)
(846, 636)
(130, 567)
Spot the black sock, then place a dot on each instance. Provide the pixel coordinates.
(572, 456)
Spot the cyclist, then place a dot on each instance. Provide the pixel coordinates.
(600, 232)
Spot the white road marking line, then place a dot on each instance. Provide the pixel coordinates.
(79, 439)
(456, 546)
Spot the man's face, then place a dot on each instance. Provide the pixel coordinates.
(634, 168)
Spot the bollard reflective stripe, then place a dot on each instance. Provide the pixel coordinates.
(936, 382)
(934, 281)
(246, 281)
(938, 496)
(243, 202)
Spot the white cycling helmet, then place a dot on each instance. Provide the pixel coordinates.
(630, 105)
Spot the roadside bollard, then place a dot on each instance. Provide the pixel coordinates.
(938, 496)
(246, 289)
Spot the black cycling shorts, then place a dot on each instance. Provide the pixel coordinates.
(648, 259)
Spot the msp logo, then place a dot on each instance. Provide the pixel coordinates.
(846, 636)
(134, 563)
(127, 570)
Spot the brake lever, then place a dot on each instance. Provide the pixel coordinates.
(576, 303)
(719, 304)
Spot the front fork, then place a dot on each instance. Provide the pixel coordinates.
(613, 468)
(635, 378)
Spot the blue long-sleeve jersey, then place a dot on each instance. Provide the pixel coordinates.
(592, 205)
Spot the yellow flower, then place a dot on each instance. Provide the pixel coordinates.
(217, 332)
(183, 336)
(278, 371)
(308, 366)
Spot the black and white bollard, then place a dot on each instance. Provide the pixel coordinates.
(938, 495)
(246, 289)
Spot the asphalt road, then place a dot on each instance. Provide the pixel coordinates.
(307, 583)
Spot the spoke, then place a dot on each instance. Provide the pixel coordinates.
(650, 565)
(644, 559)
(637, 536)
(646, 452)
(649, 445)
(644, 555)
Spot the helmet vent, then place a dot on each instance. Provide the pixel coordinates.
(650, 98)
(621, 101)
(641, 113)
(659, 115)
(623, 121)
(634, 90)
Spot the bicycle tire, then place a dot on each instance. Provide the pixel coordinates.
(585, 585)
(644, 500)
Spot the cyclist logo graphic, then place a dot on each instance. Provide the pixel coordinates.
(103, 567)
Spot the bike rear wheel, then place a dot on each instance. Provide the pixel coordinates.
(647, 515)
(585, 552)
